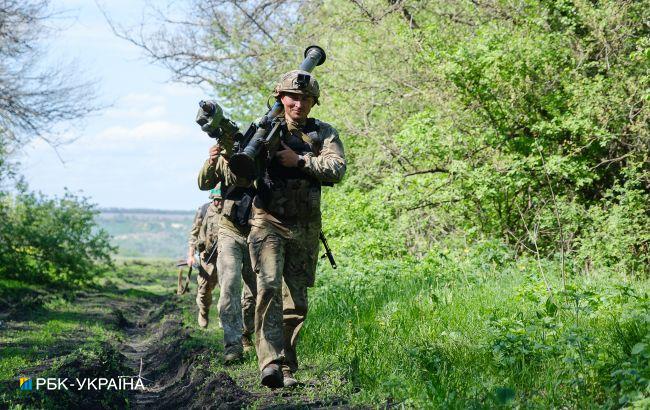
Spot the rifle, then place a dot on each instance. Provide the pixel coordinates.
(213, 251)
(328, 251)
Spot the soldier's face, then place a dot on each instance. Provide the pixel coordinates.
(297, 106)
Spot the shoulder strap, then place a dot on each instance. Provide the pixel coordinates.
(311, 130)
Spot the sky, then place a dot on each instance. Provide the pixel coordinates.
(144, 150)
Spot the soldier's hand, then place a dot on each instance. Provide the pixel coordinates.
(287, 157)
(214, 152)
(190, 260)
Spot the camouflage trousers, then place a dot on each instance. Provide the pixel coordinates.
(233, 264)
(285, 268)
(248, 308)
(206, 280)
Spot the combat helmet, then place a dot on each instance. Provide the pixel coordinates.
(298, 82)
(215, 193)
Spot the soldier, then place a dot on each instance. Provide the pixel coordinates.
(285, 227)
(236, 308)
(202, 238)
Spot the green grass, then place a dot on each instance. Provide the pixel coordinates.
(55, 323)
(458, 332)
(457, 329)
(462, 329)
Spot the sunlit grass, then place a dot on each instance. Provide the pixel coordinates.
(401, 331)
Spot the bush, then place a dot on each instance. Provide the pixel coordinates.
(50, 240)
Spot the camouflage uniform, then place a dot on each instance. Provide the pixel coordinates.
(236, 308)
(207, 278)
(285, 227)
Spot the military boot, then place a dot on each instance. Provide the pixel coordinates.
(247, 343)
(288, 379)
(272, 376)
(203, 319)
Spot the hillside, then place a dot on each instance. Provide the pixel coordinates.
(147, 232)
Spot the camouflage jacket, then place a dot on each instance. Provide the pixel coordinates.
(196, 225)
(209, 176)
(209, 227)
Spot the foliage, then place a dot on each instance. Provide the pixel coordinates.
(51, 240)
(471, 326)
(525, 124)
(492, 231)
(41, 239)
(524, 121)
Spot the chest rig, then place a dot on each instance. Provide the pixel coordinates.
(290, 193)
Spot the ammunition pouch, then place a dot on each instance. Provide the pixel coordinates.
(292, 199)
(237, 205)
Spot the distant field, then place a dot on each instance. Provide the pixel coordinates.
(147, 232)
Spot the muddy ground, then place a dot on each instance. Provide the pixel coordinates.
(133, 324)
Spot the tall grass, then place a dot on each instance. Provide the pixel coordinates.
(475, 327)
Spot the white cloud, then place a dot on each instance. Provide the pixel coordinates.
(142, 99)
(138, 106)
(184, 90)
(145, 147)
(154, 112)
(152, 131)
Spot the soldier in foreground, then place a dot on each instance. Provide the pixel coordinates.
(236, 309)
(203, 237)
(285, 226)
(286, 157)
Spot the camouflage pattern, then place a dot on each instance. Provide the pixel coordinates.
(284, 249)
(236, 308)
(233, 264)
(327, 161)
(207, 277)
(210, 227)
(211, 174)
(248, 298)
(289, 83)
(193, 239)
(207, 280)
(285, 268)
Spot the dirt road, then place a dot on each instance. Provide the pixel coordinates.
(132, 325)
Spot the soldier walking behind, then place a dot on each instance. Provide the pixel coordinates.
(203, 236)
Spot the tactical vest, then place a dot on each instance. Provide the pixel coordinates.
(290, 194)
